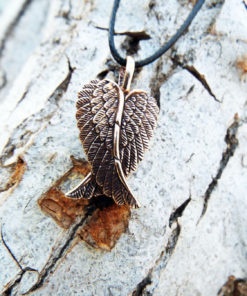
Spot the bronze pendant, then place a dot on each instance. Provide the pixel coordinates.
(115, 125)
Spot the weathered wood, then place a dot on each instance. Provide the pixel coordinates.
(190, 233)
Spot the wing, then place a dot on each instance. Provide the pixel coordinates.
(97, 107)
(138, 122)
(85, 189)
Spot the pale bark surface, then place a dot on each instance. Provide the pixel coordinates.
(191, 232)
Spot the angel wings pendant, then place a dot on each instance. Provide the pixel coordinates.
(115, 125)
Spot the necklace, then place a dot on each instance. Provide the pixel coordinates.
(116, 124)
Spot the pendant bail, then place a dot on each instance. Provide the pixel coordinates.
(129, 71)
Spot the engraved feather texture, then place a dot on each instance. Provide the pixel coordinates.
(115, 130)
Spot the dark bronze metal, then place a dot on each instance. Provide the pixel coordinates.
(115, 125)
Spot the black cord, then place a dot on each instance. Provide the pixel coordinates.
(160, 51)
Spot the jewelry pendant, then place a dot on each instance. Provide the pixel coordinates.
(115, 125)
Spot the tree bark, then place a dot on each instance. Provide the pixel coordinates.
(190, 234)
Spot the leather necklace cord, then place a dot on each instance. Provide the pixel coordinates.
(162, 49)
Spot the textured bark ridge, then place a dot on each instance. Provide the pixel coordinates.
(115, 130)
(189, 237)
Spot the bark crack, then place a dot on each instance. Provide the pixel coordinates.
(165, 255)
(23, 132)
(16, 281)
(3, 79)
(139, 35)
(12, 284)
(13, 23)
(139, 290)
(160, 263)
(53, 261)
(202, 79)
(16, 171)
(231, 145)
(195, 73)
(158, 79)
(178, 212)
